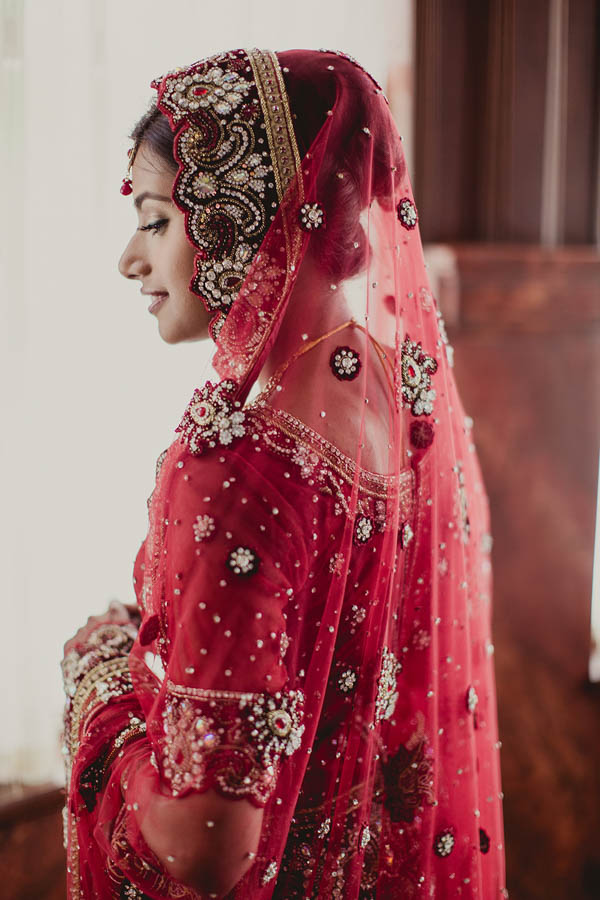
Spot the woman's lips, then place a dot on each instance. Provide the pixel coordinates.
(157, 300)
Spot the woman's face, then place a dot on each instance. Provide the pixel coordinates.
(159, 254)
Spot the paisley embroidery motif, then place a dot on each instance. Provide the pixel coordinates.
(212, 417)
(417, 369)
(231, 179)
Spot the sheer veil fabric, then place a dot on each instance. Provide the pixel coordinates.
(315, 585)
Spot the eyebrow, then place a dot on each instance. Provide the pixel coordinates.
(148, 195)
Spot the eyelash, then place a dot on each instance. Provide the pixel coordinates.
(154, 226)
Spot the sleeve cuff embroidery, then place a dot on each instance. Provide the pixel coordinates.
(229, 740)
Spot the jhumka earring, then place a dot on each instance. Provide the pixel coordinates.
(126, 186)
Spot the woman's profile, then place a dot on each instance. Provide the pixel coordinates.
(301, 701)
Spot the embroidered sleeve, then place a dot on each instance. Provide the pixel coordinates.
(229, 712)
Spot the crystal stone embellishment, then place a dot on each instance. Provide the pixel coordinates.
(407, 213)
(243, 561)
(444, 843)
(345, 363)
(417, 369)
(311, 216)
(212, 417)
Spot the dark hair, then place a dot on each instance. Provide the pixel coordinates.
(153, 130)
(349, 175)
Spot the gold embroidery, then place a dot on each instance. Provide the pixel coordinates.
(276, 110)
(106, 680)
(308, 449)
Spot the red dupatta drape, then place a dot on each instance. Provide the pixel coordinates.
(315, 585)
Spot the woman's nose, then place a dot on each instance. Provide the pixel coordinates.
(132, 264)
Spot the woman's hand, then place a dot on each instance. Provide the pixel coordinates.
(117, 614)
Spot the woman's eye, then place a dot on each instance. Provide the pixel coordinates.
(154, 226)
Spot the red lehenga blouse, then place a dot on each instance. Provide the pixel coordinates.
(314, 637)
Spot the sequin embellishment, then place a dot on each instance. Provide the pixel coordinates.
(407, 213)
(417, 369)
(243, 561)
(387, 694)
(444, 843)
(211, 417)
(311, 216)
(345, 363)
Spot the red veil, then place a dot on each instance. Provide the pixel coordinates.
(315, 586)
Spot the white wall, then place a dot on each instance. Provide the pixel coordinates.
(90, 395)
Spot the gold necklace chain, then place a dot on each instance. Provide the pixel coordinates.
(277, 375)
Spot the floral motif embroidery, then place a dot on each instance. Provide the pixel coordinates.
(484, 841)
(407, 213)
(243, 561)
(406, 535)
(359, 614)
(421, 639)
(336, 564)
(204, 527)
(211, 417)
(311, 216)
(347, 680)
(421, 434)
(345, 363)
(363, 530)
(269, 873)
(365, 836)
(417, 368)
(224, 91)
(387, 695)
(444, 842)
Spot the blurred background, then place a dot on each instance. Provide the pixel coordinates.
(498, 102)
